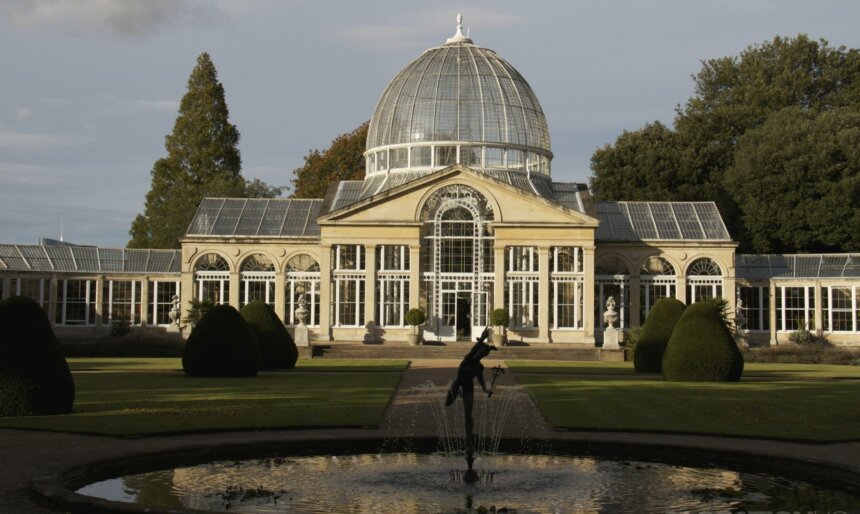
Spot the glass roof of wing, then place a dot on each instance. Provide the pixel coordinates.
(256, 217)
(87, 259)
(797, 266)
(635, 221)
(459, 92)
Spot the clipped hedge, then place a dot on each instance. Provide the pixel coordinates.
(702, 349)
(655, 334)
(277, 349)
(34, 375)
(221, 345)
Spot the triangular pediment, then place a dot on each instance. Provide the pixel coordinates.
(510, 204)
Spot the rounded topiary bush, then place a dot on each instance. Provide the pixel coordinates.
(277, 349)
(499, 318)
(702, 349)
(221, 345)
(415, 317)
(34, 375)
(656, 333)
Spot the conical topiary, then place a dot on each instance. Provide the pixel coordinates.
(656, 333)
(34, 375)
(702, 349)
(277, 349)
(221, 345)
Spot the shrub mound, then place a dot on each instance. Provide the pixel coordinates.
(221, 345)
(702, 349)
(277, 349)
(656, 331)
(34, 375)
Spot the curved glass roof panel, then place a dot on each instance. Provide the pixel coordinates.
(459, 92)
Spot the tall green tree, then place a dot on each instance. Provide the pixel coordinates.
(202, 160)
(797, 181)
(733, 95)
(342, 160)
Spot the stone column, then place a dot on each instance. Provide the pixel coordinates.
(635, 303)
(545, 296)
(415, 277)
(730, 295)
(819, 312)
(280, 296)
(681, 289)
(370, 320)
(588, 293)
(101, 317)
(772, 311)
(325, 294)
(235, 289)
(53, 283)
(6, 283)
(144, 301)
(499, 277)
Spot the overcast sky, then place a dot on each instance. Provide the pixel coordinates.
(89, 88)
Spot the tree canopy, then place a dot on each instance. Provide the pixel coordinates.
(733, 96)
(202, 160)
(342, 160)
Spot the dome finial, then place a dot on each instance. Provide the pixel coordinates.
(458, 37)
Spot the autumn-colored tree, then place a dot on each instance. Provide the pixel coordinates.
(202, 160)
(342, 160)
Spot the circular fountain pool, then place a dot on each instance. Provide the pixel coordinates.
(409, 482)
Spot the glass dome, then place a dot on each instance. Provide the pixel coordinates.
(458, 103)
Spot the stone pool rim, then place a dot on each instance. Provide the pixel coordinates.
(58, 490)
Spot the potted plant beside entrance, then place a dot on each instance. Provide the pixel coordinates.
(415, 318)
(499, 319)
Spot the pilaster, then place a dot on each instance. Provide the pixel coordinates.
(635, 301)
(370, 320)
(325, 294)
(144, 302)
(588, 293)
(545, 303)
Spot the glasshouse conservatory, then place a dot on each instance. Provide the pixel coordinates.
(457, 215)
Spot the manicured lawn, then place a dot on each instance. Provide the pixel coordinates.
(175, 364)
(127, 398)
(774, 401)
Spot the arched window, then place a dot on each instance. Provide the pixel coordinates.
(704, 280)
(302, 281)
(212, 275)
(656, 280)
(258, 279)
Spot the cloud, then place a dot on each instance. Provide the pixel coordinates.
(414, 33)
(127, 18)
(116, 103)
(23, 113)
(33, 142)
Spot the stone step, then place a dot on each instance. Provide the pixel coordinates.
(561, 352)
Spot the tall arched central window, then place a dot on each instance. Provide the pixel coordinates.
(458, 267)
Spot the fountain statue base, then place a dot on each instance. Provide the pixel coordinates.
(470, 476)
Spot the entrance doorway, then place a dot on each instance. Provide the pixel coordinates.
(464, 315)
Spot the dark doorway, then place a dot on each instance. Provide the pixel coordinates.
(464, 316)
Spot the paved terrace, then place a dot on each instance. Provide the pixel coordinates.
(25, 453)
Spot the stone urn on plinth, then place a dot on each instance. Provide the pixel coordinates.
(301, 330)
(610, 333)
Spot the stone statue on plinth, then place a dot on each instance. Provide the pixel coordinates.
(175, 312)
(610, 334)
(300, 337)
